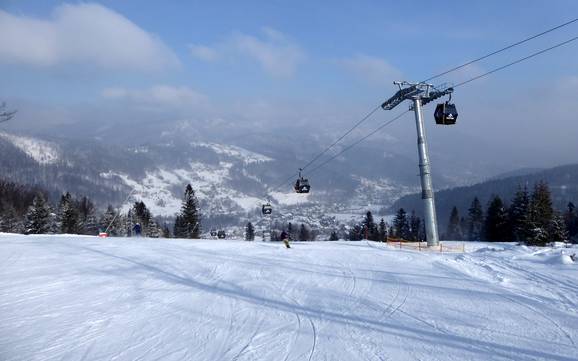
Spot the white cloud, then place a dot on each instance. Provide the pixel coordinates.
(371, 69)
(277, 54)
(204, 53)
(88, 34)
(159, 95)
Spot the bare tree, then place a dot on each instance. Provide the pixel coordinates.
(5, 115)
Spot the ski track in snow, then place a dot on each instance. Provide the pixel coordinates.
(84, 298)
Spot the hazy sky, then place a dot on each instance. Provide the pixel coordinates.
(323, 61)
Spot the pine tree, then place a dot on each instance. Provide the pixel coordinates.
(333, 236)
(88, 223)
(290, 231)
(496, 222)
(191, 221)
(38, 218)
(355, 233)
(415, 227)
(68, 218)
(369, 227)
(519, 215)
(179, 229)
(571, 220)
(153, 230)
(540, 215)
(454, 230)
(111, 221)
(166, 231)
(475, 221)
(249, 232)
(382, 231)
(304, 234)
(541, 205)
(557, 230)
(401, 225)
(9, 221)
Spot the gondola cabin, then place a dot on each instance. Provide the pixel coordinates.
(446, 114)
(302, 185)
(267, 209)
(213, 233)
(221, 234)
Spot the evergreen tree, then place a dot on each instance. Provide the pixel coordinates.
(191, 220)
(249, 232)
(334, 236)
(304, 234)
(68, 218)
(541, 205)
(111, 220)
(179, 229)
(454, 230)
(9, 221)
(401, 225)
(519, 215)
(496, 223)
(166, 231)
(415, 227)
(369, 227)
(540, 215)
(39, 217)
(557, 230)
(475, 221)
(382, 231)
(153, 230)
(571, 220)
(355, 233)
(291, 231)
(88, 223)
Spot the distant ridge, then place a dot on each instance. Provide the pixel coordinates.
(563, 182)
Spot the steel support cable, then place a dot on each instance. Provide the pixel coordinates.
(367, 116)
(517, 61)
(362, 120)
(344, 149)
(457, 85)
(358, 141)
(501, 50)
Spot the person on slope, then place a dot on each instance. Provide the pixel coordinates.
(285, 239)
(137, 229)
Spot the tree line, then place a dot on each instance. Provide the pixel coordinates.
(27, 210)
(530, 218)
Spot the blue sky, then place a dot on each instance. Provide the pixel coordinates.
(255, 56)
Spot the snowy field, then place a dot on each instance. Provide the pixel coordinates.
(84, 298)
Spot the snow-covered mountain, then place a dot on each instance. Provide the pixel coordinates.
(232, 180)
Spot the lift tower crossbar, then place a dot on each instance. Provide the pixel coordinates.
(421, 94)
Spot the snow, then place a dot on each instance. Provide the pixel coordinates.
(290, 199)
(41, 151)
(73, 297)
(232, 151)
(157, 188)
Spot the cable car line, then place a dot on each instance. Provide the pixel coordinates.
(358, 141)
(343, 136)
(362, 120)
(500, 50)
(517, 61)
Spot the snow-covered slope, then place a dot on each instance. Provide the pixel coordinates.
(40, 150)
(68, 297)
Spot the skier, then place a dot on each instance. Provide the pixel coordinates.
(285, 239)
(137, 229)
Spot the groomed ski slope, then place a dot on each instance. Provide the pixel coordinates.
(84, 298)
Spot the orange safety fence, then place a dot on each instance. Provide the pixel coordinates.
(422, 246)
